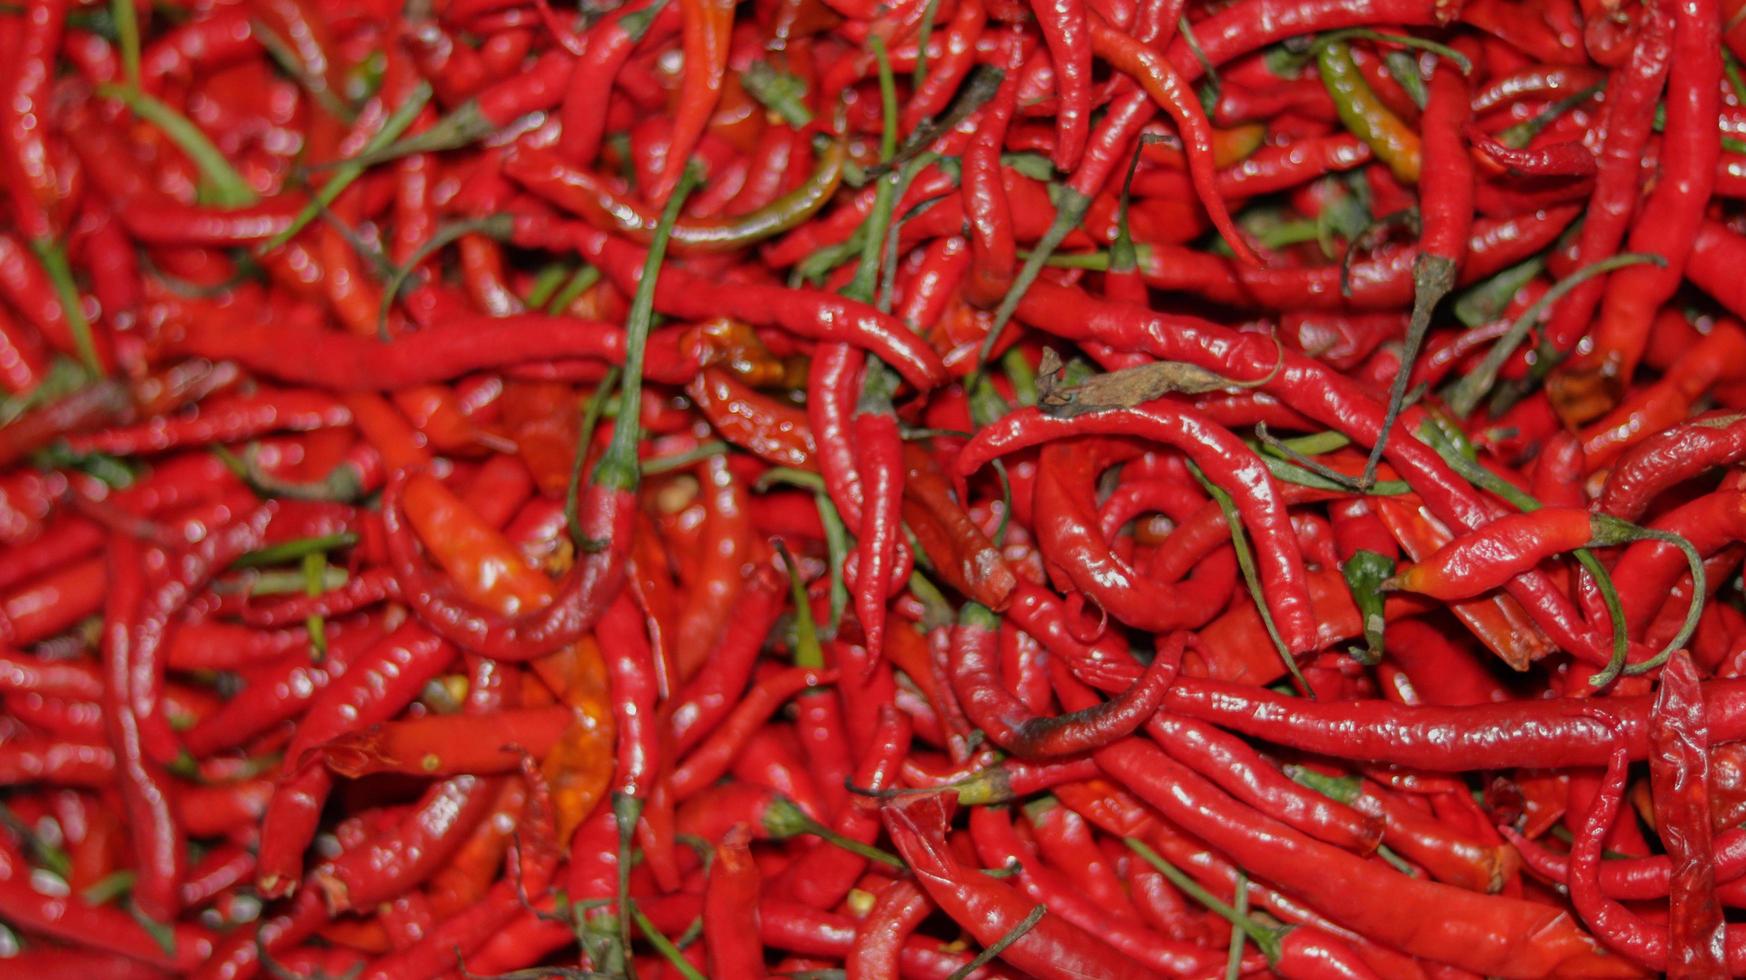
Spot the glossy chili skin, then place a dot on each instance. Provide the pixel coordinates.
(145, 783)
(1553, 732)
(1311, 389)
(401, 859)
(1224, 462)
(1689, 156)
(1241, 771)
(1493, 930)
(373, 689)
(879, 458)
(709, 697)
(730, 909)
(900, 908)
(403, 741)
(1668, 458)
(1679, 787)
(606, 516)
(1486, 558)
(1628, 116)
(1393, 142)
(1071, 542)
(998, 845)
(823, 876)
(989, 909)
(1010, 724)
(809, 313)
(716, 753)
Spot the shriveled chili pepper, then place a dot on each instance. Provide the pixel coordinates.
(1679, 784)
(1010, 725)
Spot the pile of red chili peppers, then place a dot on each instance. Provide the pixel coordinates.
(872, 488)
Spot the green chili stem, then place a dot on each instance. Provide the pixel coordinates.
(1465, 393)
(591, 412)
(618, 466)
(346, 173)
(1246, 562)
(678, 461)
(227, 186)
(1266, 939)
(1069, 212)
(496, 226)
(1234, 958)
(127, 38)
(626, 811)
(54, 264)
(999, 945)
(295, 550)
(581, 282)
(664, 946)
(807, 652)
(314, 572)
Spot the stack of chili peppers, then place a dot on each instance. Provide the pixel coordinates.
(931, 488)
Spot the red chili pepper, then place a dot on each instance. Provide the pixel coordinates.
(879, 449)
(808, 313)
(712, 758)
(146, 787)
(1067, 29)
(830, 402)
(753, 421)
(997, 844)
(1618, 926)
(589, 196)
(411, 852)
(1668, 458)
(607, 46)
(823, 876)
(730, 909)
(1679, 782)
(1689, 165)
(709, 697)
(1240, 771)
(1627, 118)
(106, 928)
(31, 178)
(1010, 724)
(372, 689)
(1282, 566)
(990, 910)
(1166, 87)
(899, 910)
(448, 745)
(1486, 558)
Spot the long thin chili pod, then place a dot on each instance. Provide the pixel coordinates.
(1394, 143)
(1680, 788)
(606, 516)
(1171, 92)
(989, 909)
(1445, 215)
(705, 34)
